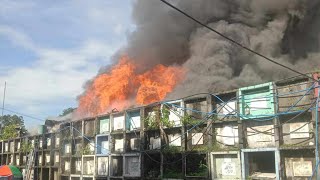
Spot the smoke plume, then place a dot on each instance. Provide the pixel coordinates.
(287, 31)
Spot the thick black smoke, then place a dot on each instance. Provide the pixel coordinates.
(287, 31)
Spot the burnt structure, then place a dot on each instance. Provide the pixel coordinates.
(261, 131)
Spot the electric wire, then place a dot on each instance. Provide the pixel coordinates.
(291, 119)
(188, 109)
(40, 119)
(191, 148)
(22, 114)
(95, 146)
(185, 155)
(194, 126)
(177, 138)
(37, 144)
(206, 118)
(265, 132)
(282, 123)
(271, 115)
(194, 146)
(145, 152)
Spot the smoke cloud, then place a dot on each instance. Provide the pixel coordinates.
(287, 31)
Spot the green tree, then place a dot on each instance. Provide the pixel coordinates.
(9, 132)
(67, 111)
(12, 125)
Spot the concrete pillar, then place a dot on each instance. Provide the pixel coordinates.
(209, 132)
(276, 121)
(209, 100)
(124, 134)
(241, 129)
(184, 141)
(142, 140)
(314, 115)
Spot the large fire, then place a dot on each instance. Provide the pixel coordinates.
(123, 87)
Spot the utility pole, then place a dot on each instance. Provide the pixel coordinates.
(4, 96)
(3, 100)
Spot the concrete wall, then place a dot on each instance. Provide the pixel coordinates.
(102, 166)
(298, 165)
(103, 144)
(104, 123)
(226, 165)
(227, 134)
(118, 122)
(89, 127)
(198, 105)
(118, 127)
(255, 101)
(132, 166)
(297, 132)
(296, 94)
(256, 136)
(133, 120)
(116, 166)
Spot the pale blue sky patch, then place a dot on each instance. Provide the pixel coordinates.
(49, 49)
(12, 55)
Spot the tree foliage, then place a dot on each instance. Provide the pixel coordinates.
(12, 125)
(9, 132)
(26, 147)
(67, 111)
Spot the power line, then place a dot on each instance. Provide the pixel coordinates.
(208, 115)
(25, 115)
(233, 41)
(283, 113)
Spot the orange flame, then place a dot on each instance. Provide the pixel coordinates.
(123, 87)
(157, 83)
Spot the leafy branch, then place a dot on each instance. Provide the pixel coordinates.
(26, 147)
(165, 118)
(86, 150)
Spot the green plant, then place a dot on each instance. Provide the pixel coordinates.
(171, 173)
(12, 126)
(171, 149)
(165, 118)
(188, 120)
(215, 146)
(200, 171)
(26, 147)
(85, 150)
(151, 121)
(218, 147)
(9, 132)
(67, 111)
(202, 148)
(78, 151)
(315, 70)
(153, 173)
